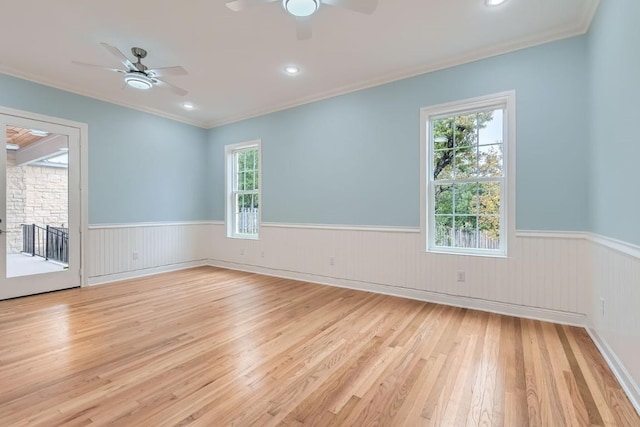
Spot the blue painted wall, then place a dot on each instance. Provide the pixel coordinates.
(142, 168)
(354, 159)
(614, 63)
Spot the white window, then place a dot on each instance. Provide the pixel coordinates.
(243, 189)
(468, 149)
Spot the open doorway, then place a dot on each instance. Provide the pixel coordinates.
(37, 216)
(40, 204)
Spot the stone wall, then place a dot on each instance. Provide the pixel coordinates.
(16, 203)
(47, 196)
(35, 195)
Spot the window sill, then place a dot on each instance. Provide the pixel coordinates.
(243, 237)
(474, 254)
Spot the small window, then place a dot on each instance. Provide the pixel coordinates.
(466, 176)
(243, 190)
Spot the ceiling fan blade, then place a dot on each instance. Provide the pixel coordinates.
(175, 89)
(120, 56)
(84, 64)
(167, 71)
(238, 5)
(362, 6)
(303, 28)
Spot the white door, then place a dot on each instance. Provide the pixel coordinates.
(39, 206)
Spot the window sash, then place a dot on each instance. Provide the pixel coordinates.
(244, 224)
(249, 219)
(458, 249)
(431, 184)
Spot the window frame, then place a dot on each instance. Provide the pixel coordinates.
(231, 184)
(505, 100)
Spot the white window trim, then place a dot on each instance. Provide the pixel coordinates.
(228, 171)
(507, 206)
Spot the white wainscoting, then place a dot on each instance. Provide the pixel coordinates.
(615, 279)
(541, 277)
(158, 247)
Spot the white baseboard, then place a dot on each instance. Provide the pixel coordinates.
(108, 278)
(624, 378)
(573, 319)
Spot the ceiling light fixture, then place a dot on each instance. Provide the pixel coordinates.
(188, 106)
(301, 8)
(138, 81)
(292, 70)
(36, 132)
(493, 2)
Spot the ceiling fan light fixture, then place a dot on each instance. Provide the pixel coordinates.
(301, 8)
(138, 81)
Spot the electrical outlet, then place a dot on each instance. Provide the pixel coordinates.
(461, 276)
(135, 256)
(262, 254)
(332, 261)
(602, 306)
(242, 251)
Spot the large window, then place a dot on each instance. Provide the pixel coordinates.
(243, 190)
(467, 172)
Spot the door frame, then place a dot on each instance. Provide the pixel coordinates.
(83, 129)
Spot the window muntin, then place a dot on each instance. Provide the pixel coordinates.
(467, 178)
(243, 169)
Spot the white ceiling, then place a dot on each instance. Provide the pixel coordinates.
(235, 60)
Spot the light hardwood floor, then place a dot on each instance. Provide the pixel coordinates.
(212, 347)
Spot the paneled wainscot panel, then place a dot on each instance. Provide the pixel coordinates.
(541, 271)
(119, 251)
(613, 309)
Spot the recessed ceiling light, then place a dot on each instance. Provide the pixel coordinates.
(493, 2)
(292, 70)
(188, 106)
(36, 132)
(301, 8)
(138, 81)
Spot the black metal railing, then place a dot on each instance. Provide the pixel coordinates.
(50, 243)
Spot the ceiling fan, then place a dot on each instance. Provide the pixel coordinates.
(139, 76)
(303, 9)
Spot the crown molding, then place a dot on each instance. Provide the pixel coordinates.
(57, 85)
(588, 15)
(472, 56)
(581, 27)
